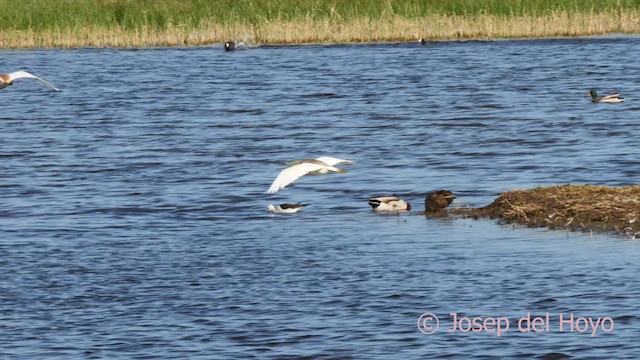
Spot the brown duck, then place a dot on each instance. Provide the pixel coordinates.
(438, 200)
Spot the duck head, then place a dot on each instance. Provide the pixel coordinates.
(438, 200)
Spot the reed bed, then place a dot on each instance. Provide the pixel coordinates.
(139, 23)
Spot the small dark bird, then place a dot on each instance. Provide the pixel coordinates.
(422, 41)
(235, 46)
(438, 200)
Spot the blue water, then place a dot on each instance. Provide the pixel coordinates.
(133, 221)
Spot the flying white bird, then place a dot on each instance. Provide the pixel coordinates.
(389, 203)
(7, 79)
(321, 165)
(286, 208)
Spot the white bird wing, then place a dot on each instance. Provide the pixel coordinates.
(24, 74)
(291, 174)
(331, 161)
(612, 96)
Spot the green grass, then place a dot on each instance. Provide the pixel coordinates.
(141, 23)
(162, 14)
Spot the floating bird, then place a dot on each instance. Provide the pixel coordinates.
(389, 203)
(422, 41)
(7, 79)
(233, 46)
(438, 200)
(321, 165)
(613, 98)
(286, 208)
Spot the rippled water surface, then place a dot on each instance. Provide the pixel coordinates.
(133, 220)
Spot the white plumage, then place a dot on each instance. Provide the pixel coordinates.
(389, 203)
(7, 79)
(321, 165)
(285, 208)
(613, 98)
(331, 161)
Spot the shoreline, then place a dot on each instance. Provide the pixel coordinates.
(303, 31)
(613, 36)
(372, 43)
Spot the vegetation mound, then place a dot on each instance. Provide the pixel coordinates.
(574, 207)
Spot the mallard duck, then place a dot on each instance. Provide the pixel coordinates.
(7, 79)
(438, 200)
(321, 165)
(613, 98)
(285, 208)
(389, 203)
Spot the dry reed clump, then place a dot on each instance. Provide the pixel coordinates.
(575, 207)
(332, 30)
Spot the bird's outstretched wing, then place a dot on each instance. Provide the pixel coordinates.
(331, 161)
(291, 174)
(24, 74)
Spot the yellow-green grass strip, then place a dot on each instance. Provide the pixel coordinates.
(139, 23)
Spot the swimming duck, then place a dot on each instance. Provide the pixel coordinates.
(321, 165)
(7, 79)
(613, 98)
(286, 208)
(389, 203)
(233, 46)
(438, 200)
